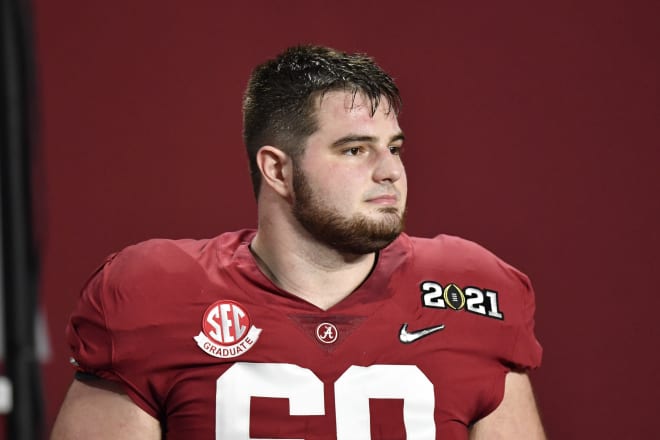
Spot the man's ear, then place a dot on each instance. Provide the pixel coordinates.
(276, 169)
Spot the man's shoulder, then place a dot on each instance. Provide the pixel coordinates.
(167, 252)
(450, 253)
(159, 262)
(450, 245)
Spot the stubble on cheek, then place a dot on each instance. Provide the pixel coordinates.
(356, 234)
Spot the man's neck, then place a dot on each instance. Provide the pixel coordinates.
(310, 270)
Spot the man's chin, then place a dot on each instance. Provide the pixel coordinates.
(364, 246)
(359, 236)
(389, 210)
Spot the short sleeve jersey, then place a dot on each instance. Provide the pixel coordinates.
(201, 340)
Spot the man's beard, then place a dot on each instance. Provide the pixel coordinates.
(356, 235)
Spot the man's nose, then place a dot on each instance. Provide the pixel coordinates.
(389, 167)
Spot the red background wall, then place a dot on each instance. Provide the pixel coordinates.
(532, 128)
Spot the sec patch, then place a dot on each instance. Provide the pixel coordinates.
(227, 331)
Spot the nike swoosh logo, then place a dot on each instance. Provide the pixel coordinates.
(408, 337)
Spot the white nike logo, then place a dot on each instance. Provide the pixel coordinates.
(407, 337)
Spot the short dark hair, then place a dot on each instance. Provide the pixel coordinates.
(280, 99)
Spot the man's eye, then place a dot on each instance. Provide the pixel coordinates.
(353, 151)
(395, 150)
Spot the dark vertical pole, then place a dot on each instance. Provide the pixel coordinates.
(20, 264)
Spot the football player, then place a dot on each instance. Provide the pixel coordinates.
(328, 321)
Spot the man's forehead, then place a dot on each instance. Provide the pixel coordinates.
(351, 103)
(344, 115)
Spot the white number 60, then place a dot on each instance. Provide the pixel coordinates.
(304, 390)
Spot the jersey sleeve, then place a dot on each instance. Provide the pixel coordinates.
(510, 337)
(97, 335)
(526, 351)
(86, 333)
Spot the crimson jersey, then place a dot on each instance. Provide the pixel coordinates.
(203, 341)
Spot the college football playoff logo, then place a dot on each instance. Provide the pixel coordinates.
(227, 331)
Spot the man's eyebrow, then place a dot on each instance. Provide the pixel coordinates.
(358, 138)
(398, 137)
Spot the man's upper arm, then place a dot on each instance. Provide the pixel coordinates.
(101, 410)
(516, 417)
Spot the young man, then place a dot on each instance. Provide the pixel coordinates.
(326, 323)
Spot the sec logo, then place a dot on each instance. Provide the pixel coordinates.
(227, 330)
(225, 322)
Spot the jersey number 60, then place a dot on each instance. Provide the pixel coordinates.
(304, 390)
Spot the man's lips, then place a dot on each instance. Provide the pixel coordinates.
(385, 199)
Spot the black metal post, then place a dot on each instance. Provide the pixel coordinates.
(20, 259)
